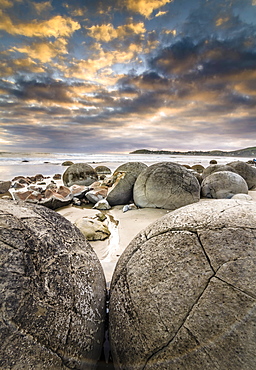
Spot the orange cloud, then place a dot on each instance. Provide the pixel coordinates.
(44, 51)
(107, 32)
(145, 7)
(5, 4)
(57, 26)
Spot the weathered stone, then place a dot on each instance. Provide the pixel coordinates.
(4, 186)
(216, 168)
(57, 176)
(246, 171)
(103, 170)
(166, 185)
(198, 168)
(92, 229)
(102, 205)
(242, 196)
(183, 294)
(80, 174)
(67, 163)
(223, 184)
(52, 292)
(124, 178)
(79, 191)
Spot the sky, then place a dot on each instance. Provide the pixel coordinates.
(113, 76)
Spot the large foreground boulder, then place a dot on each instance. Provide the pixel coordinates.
(124, 178)
(166, 185)
(52, 292)
(246, 171)
(223, 184)
(183, 294)
(79, 174)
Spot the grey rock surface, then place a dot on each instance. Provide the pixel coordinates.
(223, 184)
(183, 294)
(216, 168)
(52, 292)
(4, 186)
(166, 185)
(79, 174)
(124, 178)
(246, 171)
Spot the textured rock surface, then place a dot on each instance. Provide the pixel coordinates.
(124, 179)
(246, 171)
(183, 295)
(216, 168)
(52, 292)
(223, 184)
(4, 186)
(92, 229)
(79, 174)
(166, 185)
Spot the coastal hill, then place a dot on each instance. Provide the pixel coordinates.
(247, 152)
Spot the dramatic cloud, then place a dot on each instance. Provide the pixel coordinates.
(145, 7)
(121, 75)
(57, 26)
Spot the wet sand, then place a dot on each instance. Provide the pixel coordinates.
(123, 227)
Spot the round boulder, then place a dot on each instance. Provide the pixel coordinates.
(123, 180)
(246, 171)
(166, 185)
(79, 174)
(216, 168)
(223, 184)
(103, 170)
(183, 292)
(52, 292)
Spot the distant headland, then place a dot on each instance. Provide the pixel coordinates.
(247, 152)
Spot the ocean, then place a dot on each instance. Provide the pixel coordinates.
(48, 164)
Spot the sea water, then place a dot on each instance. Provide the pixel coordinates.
(30, 164)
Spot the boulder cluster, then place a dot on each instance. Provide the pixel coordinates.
(165, 185)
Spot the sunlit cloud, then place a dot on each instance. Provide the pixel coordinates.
(107, 32)
(145, 7)
(159, 14)
(57, 26)
(44, 51)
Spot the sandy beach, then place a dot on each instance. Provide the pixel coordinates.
(123, 226)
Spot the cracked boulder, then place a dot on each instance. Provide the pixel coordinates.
(223, 184)
(79, 174)
(52, 292)
(166, 185)
(123, 179)
(183, 294)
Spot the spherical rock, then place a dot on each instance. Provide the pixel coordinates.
(124, 178)
(183, 292)
(166, 185)
(246, 171)
(216, 168)
(103, 170)
(198, 168)
(67, 163)
(52, 292)
(223, 184)
(213, 161)
(79, 174)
